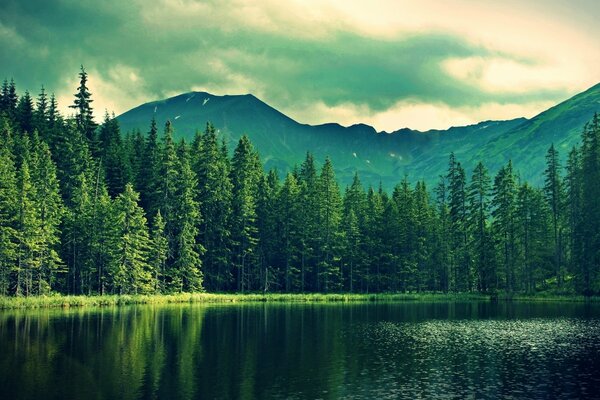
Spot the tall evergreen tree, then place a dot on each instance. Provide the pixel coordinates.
(309, 192)
(148, 178)
(50, 207)
(8, 217)
(82, 105)
(28, 233)
(574, 196)
(131, 272)
(554, 193)
(479, 209)
(330, 207)
(457, 201)
(289, 216)
(157, 256)
(503, 204)
(245, 174)
(24, 112)
(186, 274)
(214, 197)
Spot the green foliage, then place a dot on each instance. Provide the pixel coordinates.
(72, 220)
(132, 273)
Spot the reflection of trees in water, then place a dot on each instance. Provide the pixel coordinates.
(298, 351)
(120, 353)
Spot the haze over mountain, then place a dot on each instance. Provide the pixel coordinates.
(377, 156)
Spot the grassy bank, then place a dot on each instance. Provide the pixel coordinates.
(55, 301)
(114, 300)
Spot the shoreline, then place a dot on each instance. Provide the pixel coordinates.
(80, 301)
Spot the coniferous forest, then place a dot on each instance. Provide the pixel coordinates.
(87, 209)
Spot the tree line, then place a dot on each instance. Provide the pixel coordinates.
(85, 209)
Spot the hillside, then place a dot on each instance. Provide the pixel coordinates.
(377, 156)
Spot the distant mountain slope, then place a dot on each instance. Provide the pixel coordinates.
(377, 156)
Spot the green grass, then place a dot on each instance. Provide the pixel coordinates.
(53, 301)
(62, 301)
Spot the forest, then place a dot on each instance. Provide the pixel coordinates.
(88, 209)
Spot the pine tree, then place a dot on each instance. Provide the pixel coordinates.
(165, 194)
(8, 217)
(245, 174)
(157, 256)
(28, 233)
(353, 223)
(503, 204)
(574, 196)
(442, 253)
(533, 227)
(25, 113)
(423, 238)
(590, 210)
(40, 116)
(84, 117)
(375, 231)
(479, 209)
(149, 176)
(9, 99)
(214, 196)
(330, 207)
(266, 205)
(457, 201)
(186, 274)
(132, 273)
(554, 193)
(309, 200)
(50, 207)
(289, 216)
(112, 156)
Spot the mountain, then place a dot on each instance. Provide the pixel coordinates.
(377, 156)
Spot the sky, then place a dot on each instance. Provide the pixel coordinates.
(388, 63)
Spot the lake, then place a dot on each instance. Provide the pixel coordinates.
(310, 351)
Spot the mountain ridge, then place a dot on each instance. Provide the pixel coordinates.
(378, 156)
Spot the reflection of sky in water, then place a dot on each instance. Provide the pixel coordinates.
(478, 358)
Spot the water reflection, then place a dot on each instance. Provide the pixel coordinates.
(329, 351)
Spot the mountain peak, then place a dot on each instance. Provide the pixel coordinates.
(283, 142)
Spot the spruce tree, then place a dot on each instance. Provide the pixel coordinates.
(479, 209)
(590, 210)
(309, 200)
(457, 201)
(289, 216)
(131, 273)
(554, 194)
(245, 174)
(29, 233)
(353, 223)
(148, 179)
(40, 116)
(157, 255)
(164, 194)
(82, 104)
(214, 196)
(503, 204)
(330, 207)
(50, 207)
(574, 196)
(25, 117)
(8, 217)
(266, 205)
(442, 253)
(186, 274)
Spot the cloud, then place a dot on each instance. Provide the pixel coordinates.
(392, 64)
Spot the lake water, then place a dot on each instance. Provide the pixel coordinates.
(312, 351)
